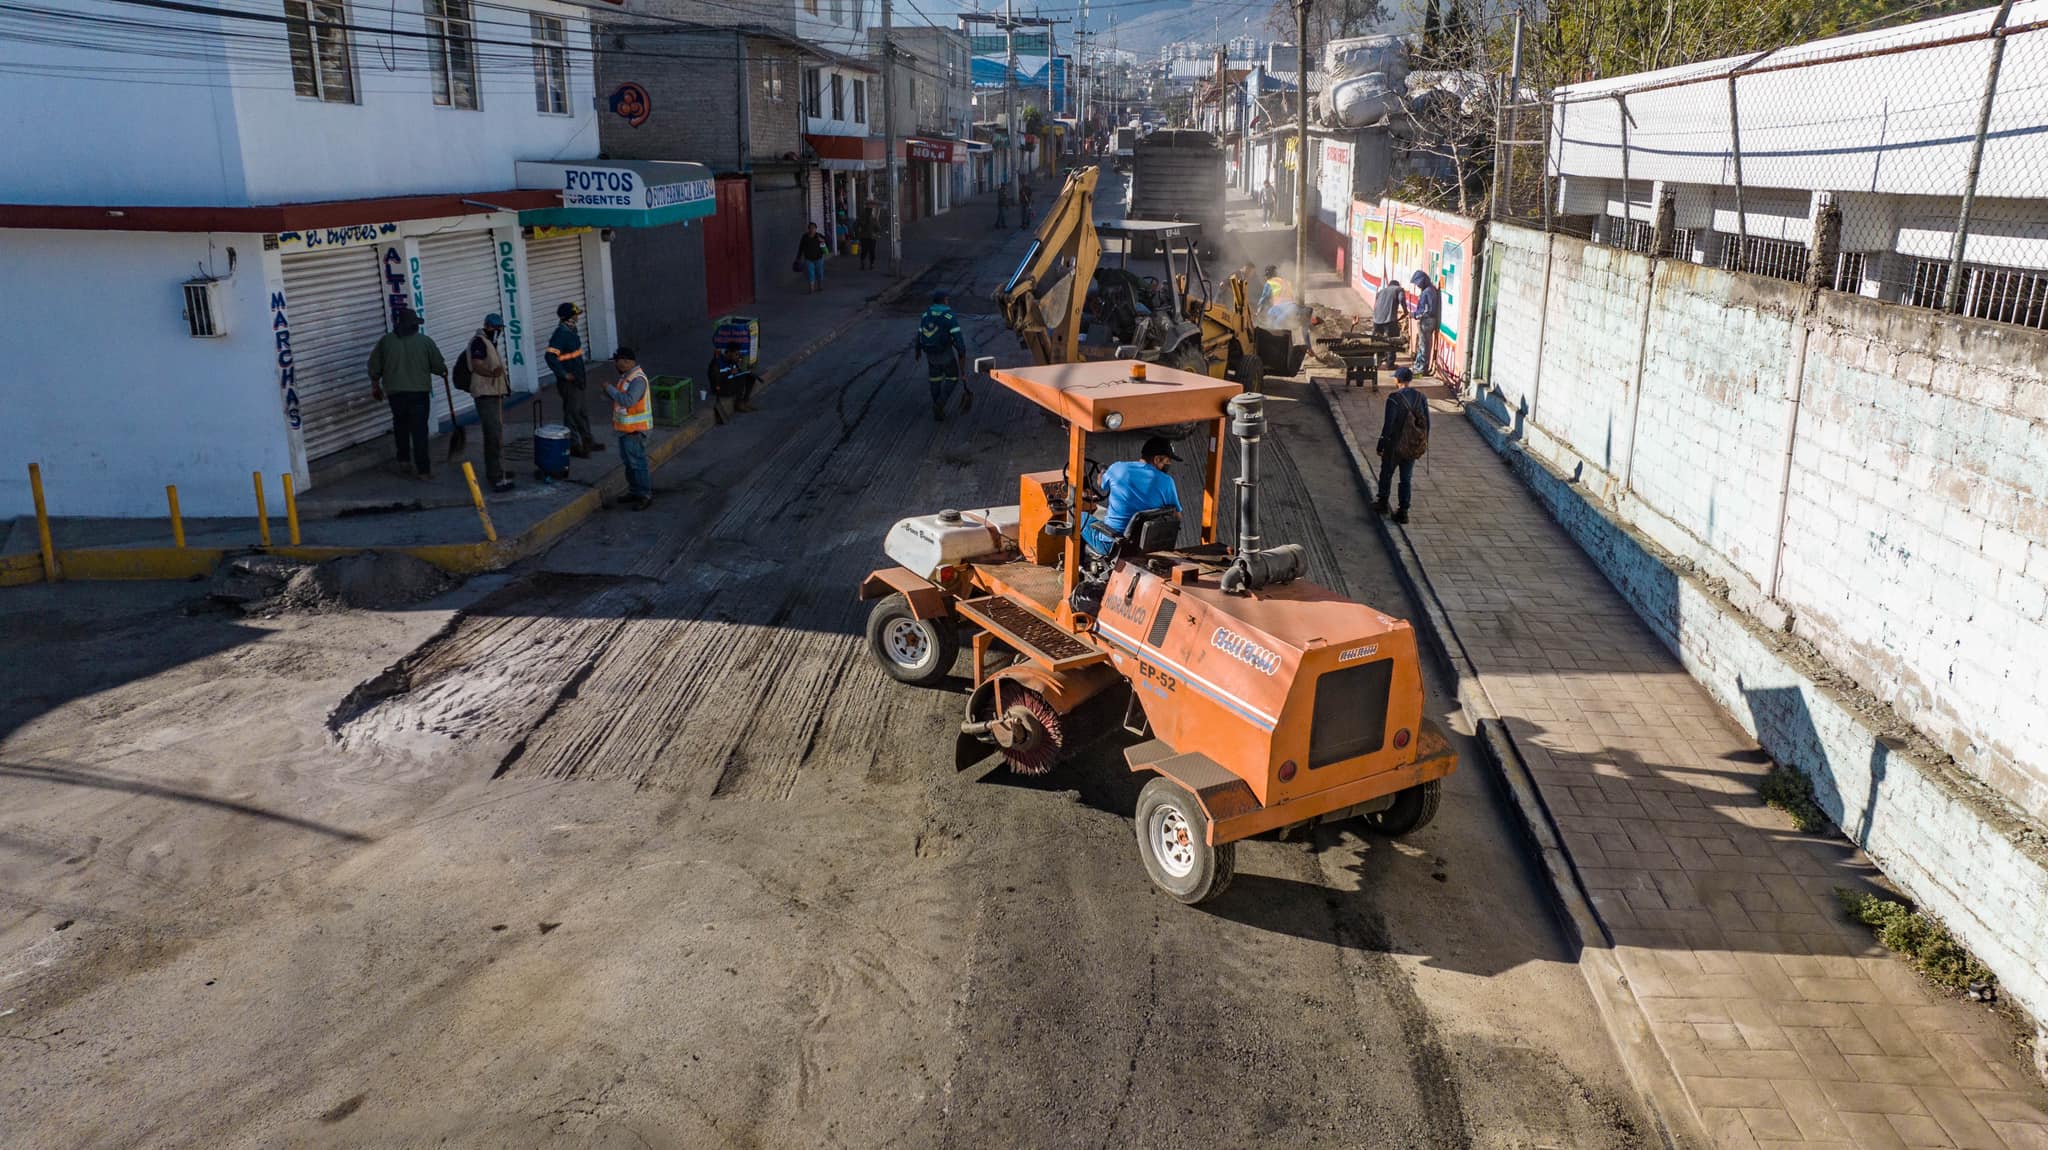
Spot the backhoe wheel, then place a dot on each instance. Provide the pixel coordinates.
(915, 651)
(1251, 372)
(1188, 357)
(1173, 834)
(1412, 810)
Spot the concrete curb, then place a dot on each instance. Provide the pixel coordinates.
(173, 563)
(1628, 1027)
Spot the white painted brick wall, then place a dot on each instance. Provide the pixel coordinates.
(1915, 542)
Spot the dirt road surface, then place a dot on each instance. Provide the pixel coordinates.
(636, 847)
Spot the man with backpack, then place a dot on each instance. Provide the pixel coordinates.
(481, 372)
(944, 349)
(1404, 438)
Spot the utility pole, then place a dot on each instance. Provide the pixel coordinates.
(1504, 180)
(1010, 85)
(1301, 151)
(894, 165)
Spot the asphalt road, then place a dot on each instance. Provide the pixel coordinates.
(641, 849)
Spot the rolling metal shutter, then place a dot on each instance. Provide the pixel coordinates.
(459, 274)
(554, 268)
(336, 304)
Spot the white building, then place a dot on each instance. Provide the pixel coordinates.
(1880, 124)
(207, 220)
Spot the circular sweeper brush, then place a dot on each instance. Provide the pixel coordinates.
(1028, 731)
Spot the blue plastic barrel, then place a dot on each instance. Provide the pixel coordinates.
(551, 450)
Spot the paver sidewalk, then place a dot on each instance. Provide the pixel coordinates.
(1785, 1025)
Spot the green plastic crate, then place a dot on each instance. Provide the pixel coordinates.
(674, 398)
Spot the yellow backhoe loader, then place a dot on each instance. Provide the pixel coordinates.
(1067, 306)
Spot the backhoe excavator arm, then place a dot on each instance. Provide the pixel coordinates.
(1043, 299)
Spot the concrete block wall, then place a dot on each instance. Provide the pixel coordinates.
(1708, 452)
(1593, 334)
(775, 126)
(1912, 548)
(1916, 544)
(695, 91)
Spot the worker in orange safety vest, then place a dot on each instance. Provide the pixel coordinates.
(633, 419)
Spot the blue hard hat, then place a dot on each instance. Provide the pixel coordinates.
(494, 320)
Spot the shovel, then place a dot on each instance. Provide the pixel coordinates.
(458, 438)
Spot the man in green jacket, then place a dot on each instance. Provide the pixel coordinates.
(402, 367)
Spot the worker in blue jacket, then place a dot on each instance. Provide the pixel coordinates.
(1131, 487)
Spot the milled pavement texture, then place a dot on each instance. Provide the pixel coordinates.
(1785, 1024)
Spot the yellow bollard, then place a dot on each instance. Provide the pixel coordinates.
(262, 515)
(291, 509)
(177, 518)
(477, 495)
(35, 483)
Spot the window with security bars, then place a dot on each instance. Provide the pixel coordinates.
(860, 101)
(814, 92)
(550, 66)
(1778, 259)
(838, 96)
(451, 58)
(2008, 295)
(1640, 236)
(1848, 273)
(317, 32)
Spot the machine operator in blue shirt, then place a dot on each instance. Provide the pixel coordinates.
(1132, 486)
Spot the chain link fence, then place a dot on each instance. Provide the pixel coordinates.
(1909, 164)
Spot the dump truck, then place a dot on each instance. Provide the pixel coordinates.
(1177, 174)
(1256, 700)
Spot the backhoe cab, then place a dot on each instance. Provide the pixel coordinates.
(1259, 700)
(1068, 305)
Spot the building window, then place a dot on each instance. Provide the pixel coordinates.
(771, 80)
(814, 92)
(318, 33)
(838, 96)
(550, 66)
(1778, 259)
(1848, 273)
(860, 101)
(839, 11)
(2008, 295)
(452, 57)
(811, 6)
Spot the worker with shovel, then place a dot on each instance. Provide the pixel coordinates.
(944, 349)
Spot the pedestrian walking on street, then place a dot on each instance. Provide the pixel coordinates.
(1404, 438)
(490, 381)
(1002, 205)
(810, 257)
(572, 380)
(730, 380)
(633, 419)
(1266, 202)
(944, 349)
(1429, 312)
(868, 236)
(1388, 304)
(1024, 206)
(402, 370)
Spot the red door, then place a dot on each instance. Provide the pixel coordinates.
(729, 248)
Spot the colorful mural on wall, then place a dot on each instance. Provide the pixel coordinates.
(1397, 239)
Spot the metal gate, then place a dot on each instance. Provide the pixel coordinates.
(729, 248)
(554, 271)
(335, 301)
(459, 275)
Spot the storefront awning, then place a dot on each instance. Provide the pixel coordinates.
(619, 193)
(848, 153)
(935, 150)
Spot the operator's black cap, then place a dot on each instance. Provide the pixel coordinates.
(1159, 445)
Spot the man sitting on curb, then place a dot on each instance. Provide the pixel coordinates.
(1404, 438)
(730, 382)
(633, 419)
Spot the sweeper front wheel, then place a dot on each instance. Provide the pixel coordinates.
(912, 650)
(1173, 839)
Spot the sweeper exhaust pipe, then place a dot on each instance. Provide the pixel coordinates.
(1253, 567)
